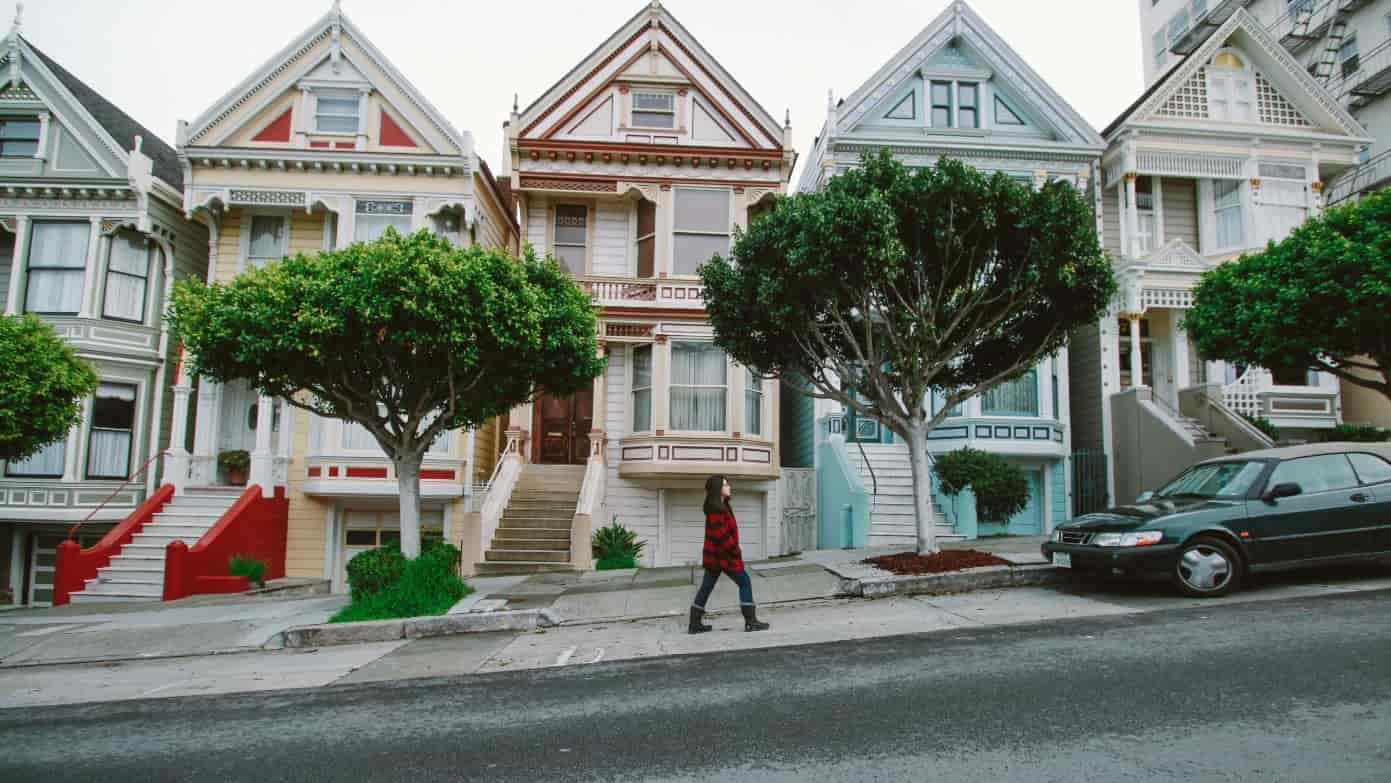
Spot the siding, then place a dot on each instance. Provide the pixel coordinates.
(634, 506)
(1111, 222)
(1180, 210)
(611, 239)
(1084, 387)
(229, 245)
(304, 540)
(536, 223)
(1057, 471)
(797, 427)
(6, 263)
(306, 231)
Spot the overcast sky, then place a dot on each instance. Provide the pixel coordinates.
(167, 60)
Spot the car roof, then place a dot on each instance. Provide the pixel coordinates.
(1382, 450)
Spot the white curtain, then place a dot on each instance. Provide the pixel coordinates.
(268, 234)
(1226, 195)
(128, 271)
(1018, 397)
(1284, 207)
(642, 388)
(357, 438)
(698, 387)
(371, 226)
(48, 462)
(753, 403)
(108, 454)
(57, 267)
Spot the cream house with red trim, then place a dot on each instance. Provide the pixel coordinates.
(633, 170)
(324, 144)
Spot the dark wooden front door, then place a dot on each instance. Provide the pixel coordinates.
(562, 428)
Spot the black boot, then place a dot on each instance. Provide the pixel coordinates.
(696, 626)
(751, 622)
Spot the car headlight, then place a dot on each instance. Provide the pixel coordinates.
(1143, 538)
(1057, 536)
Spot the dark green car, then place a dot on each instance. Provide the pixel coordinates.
(1225, 518)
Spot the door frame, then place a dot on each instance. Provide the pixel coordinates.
(575, 438)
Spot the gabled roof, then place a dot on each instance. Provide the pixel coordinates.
(120, 126)
(959, 21)
(1299, 86)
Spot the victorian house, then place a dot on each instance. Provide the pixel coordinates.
(956, 90)
(92, 237)
(632, 171)
(1228, 150)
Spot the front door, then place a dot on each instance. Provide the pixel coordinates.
(562, 428)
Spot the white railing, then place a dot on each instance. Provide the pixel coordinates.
(1363, 178)
(619, 291)
(589, 510)
(1243, 394)
(1371, 65)
(498, 491)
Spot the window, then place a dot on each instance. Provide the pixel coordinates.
(699, 376)
(48, 463)
(448, 225)
(1215, 479)
(127, 277)
(1226, 194)
(647, 238)
(1161, 47)
(654, 110)
(357, 438)
(702, 228)
(968, 98)
(113, 427)
(1146, 219)
(1315, 474)
(337, 113)
(1294, 376)
(373, 218)
(753, 403)
(642, 388)
(1178, 25)
(1230, 89)
(19, 138)
(269, 237)
(939, 400)
(942, 113)
(1298, 8)
(1004, 115)
(1018, 397)
(571, 236)
(57, 268)
(1349, 58)
(1370, 468)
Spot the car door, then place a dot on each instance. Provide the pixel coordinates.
(1315, 523)
(1375, 474)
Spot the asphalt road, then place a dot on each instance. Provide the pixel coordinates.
(1296, 690)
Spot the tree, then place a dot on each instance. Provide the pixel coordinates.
(890, 284)
(1320, 299)
(410, 337)
(1001, 489)
(41, 388)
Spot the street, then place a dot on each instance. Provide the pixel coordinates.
(1289, 690)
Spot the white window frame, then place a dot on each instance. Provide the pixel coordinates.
(634, 388)
(676, 231)
(410, 216)
(672, 386)
(754, 403)
(150, 248)
(92, 428)
(30, 268)
(247, 227)
(583, 246)
(635, 111)
(38, 136)
(1216, 215)
(1240, 87)
(337, 95)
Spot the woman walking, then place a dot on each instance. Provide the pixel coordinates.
(722, 556)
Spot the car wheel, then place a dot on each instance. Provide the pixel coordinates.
(1207, 568)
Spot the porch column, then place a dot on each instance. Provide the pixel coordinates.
(1182, 377)
(176, 456)
(14, 304)
(1132, 218)
(284, 448)
(91, 282)
(262, 458)
(1137, 376)
(661, 385)
(600, 405)
(207, 430)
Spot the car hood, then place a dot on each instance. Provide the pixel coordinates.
(1140, 514)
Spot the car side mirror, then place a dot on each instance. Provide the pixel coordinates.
(1144, 497)
(1286, 490)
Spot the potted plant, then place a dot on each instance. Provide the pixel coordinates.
(235, 462)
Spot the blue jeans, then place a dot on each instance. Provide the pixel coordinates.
(712, 576)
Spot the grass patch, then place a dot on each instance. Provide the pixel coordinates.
(426, 586)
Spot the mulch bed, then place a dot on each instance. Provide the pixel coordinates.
(911, 563)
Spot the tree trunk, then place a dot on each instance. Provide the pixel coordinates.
(408, 483)
(922, 490)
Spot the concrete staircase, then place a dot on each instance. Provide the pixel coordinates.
(534, 534)
(891, 516)
(137, 572)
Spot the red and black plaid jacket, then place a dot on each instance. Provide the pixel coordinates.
(722, 543)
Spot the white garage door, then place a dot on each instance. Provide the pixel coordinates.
(686, 523)
(364, 530)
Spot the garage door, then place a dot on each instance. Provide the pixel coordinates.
(364, 530)
(686, 523)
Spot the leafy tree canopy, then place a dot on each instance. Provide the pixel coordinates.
(1319, 299)
(42, 386)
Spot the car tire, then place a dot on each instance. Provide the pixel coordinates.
(1207, 567)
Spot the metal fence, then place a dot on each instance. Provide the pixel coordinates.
(1089, 481)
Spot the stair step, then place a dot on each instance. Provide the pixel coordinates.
(178, 531)
(536, 533)
(147, 540)
(526, 556)
(538, 522)
(124, 573)
(501, 544)
(136, 562)
(125, 588)
(517, 569)
(85, 597)
(136, 549)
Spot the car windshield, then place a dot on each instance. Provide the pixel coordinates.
(1215, 480)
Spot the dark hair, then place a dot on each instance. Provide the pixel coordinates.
(714, 496)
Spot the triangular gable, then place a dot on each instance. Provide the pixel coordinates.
(17, 91)
(960, 40)
(706, 126)
(332, 51)
(1286, 94)
(598, 122)
(652, 48)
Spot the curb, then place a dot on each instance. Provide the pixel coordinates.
(987, 578)
(329, 635)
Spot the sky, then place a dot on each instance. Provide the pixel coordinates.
(166, 60)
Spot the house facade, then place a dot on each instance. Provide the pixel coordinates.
(632, 171)
(324, 144)
(1229, 149)
(956, 90)
(92, 238)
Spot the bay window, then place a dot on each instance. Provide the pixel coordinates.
(270, 239)
(19, 138)
(57, 267)
(571, 237)
(701, 230)
(1018, 397)
(373, 218)
(113, 428)
(47, 463)
(337, 112)
(642, 388)
(127, 277)
(699, 383)
(1226, 208)
(753, 403)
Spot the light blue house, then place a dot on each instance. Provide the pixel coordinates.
(956, 90)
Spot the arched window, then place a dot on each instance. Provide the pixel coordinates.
(1231, 88)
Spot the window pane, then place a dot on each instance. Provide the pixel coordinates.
(108, 454)
(698, 364)
(642, 366)
(441, 444)
(694, 250)
(570, 224)
(642, 410)
(1371, 469)
(968, 118)
(130, 254)
(941, 93)
(54, 291)
(647, 218)
(48, 462)
(642, 388)
(702, 210)
(697, 410)
(19, 129)
(941, 118)
(267, 232)
(1018, 397)
(1316, 474)
(18, 149)
(125, 297)
(647, 119)
(337, 124)
(372, 227)
(357, 438)
(658, 101)
(361, 538)
(966, 94)
(753, 403)
(447, 225)
(114, 406)
(571, 258)
(646, 257)
(59, 244)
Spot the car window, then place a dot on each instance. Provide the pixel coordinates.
(1370, 468)
(1215, 479)
(1316, 474)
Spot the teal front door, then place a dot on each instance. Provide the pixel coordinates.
(1028, 522)
(862, 429)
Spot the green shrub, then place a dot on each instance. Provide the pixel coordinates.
(235, 459)
(1001, 489)
(375, 570)
(1263, 424)
(251, 568)
(1357, 433)
(428, 585)
(616, 563)
(616, 543)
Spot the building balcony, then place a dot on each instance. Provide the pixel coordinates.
(1365, 79)
(696, 456)
(375, 477)
(46, 500)
(1205, 25)
(660, 293)
(1372, 175)
(105, 336)
(1008, 435)
(1304, 22)
(1256, 395)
